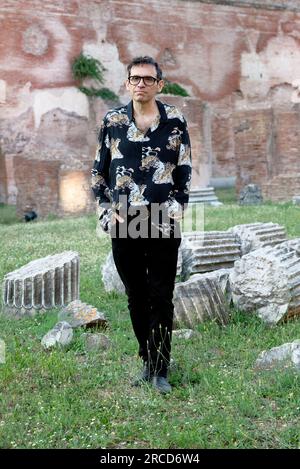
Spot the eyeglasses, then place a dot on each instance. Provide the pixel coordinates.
(148, 81)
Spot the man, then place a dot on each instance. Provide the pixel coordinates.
(143, 164)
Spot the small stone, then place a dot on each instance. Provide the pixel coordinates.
(296, 355)
(110, 276)
(80, 314)
(250, 195)
(96, 341)
(173, 365)
(285, 355)
(184, 333)
(296, 200)
(61, 334)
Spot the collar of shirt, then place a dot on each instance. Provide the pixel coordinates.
(161, 108)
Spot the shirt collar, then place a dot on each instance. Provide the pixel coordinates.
(161, 108)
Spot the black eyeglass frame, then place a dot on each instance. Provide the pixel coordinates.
(142, 78)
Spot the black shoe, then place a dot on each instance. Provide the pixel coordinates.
(161, 384)
(144, 377)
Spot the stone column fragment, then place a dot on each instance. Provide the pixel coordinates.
(258, 235)
(208, 251)
(267, 281)
(198, 299)
(42, 284)
(204, 195)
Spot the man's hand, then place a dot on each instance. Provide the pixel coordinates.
(108, 218)
(105, 219)
(177, 215)
(115, 217)
(175, 211)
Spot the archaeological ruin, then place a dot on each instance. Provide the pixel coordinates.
(237, 59)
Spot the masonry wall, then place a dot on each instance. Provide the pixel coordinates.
(239, 61)
(3, 180)
(291, 5)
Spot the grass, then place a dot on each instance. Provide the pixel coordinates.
(8, 214)
(227, 196)
(76, 399)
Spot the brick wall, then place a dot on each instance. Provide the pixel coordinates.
(267, 151)
(3, 179)
(292, 5)
(239, 61)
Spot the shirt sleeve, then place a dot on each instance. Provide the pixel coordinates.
(183, 171)
(100, 171)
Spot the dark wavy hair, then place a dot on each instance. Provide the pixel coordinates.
(145, 60)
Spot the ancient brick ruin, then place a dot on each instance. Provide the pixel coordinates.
(238, 59)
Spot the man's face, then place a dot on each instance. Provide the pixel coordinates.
(141, 92)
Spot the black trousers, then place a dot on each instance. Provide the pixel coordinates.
(147, 267)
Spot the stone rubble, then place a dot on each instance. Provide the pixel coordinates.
(267, 281)
(250, 195)
(185, 334)
(110, 276)
(60, 335)
(79, 314)
(96, 341)
(285, 355)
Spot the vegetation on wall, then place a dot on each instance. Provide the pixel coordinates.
(104, 93)
(85, 66)
(174, 88)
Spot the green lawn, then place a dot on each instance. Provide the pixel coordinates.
(8, 214)
(76, 399)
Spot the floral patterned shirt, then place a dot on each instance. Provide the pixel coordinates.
(149, 167)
